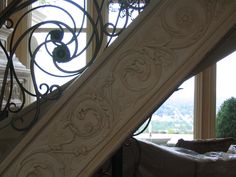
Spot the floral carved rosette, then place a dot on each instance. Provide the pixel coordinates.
(186, 24)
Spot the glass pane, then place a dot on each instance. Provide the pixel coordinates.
(226, 97)
(111, 39)
(174, 119)
(122, 20)
(120, 16)
(226, 87)
(45, 61)
(61, 12)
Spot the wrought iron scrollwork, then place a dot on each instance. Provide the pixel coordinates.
(125, 10)
(62, 44)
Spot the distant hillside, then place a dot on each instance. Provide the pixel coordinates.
(172, 118)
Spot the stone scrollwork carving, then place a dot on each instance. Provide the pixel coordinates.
(135, 70)
(40, 164)
(90, 116)
(138, 71)
(186, 24)
(85, 126)
(138, 68)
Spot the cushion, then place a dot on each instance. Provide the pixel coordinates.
(208, 145)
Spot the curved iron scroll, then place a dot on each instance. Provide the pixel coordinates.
(56, 46)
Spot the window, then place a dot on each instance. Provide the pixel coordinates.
(174, 119)
(226, 87)
(226, 97)
(121, 19)
(71, 18)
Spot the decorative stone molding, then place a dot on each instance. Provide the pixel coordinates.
(116, 94)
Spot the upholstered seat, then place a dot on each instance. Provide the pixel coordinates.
(206, 145)
(150, 160)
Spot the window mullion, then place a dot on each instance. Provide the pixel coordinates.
(93, 13)
(205, 104)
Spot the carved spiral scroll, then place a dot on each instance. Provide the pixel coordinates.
(90, 116)
(40, 164)
(140, 67)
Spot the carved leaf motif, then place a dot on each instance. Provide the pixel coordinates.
(60, 136)
(160, 56)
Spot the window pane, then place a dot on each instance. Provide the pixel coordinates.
(114, 14)
(226, 97)
(119, 20)
(67, 12)
(174, 119)
(226, 87)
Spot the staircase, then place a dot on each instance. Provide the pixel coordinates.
(127, 82)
